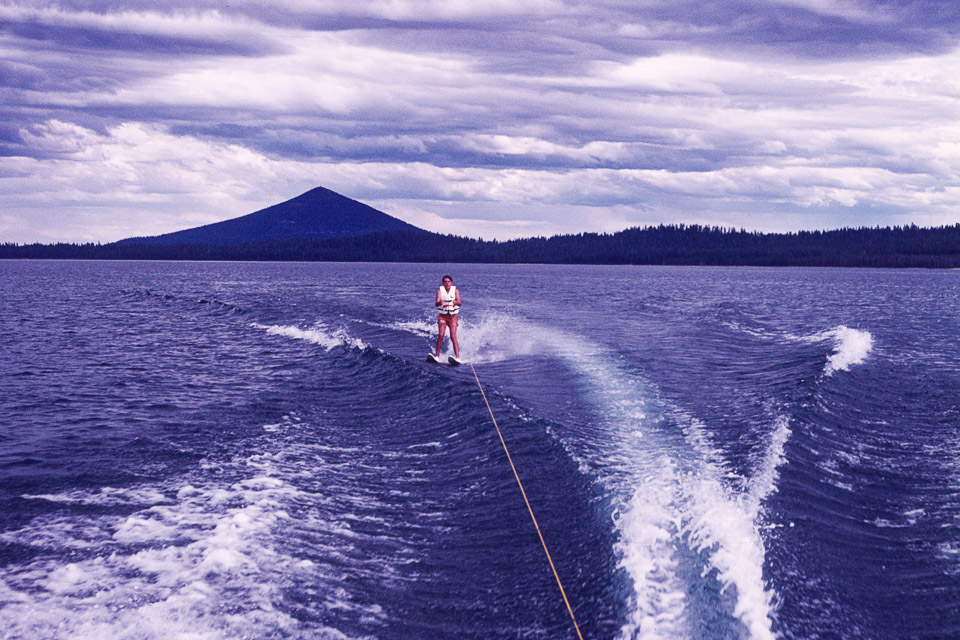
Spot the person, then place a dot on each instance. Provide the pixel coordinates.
(448, 302)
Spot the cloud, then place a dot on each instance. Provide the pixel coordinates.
(183, 181)
(492, 116)
(199, 32)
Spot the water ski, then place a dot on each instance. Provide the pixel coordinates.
(454, 361)
(432, 358)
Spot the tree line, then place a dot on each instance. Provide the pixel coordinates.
(901, 246)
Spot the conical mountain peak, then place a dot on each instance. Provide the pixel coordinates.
(318, 213)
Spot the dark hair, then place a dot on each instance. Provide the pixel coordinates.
(445, 277)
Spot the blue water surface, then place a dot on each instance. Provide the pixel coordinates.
(255, 450)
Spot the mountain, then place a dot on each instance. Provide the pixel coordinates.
(318, 213)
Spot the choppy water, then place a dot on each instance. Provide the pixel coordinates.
(261, 451)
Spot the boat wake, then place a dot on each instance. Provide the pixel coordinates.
(851, 346)
(685, 529)
(165, 560)
(319, 334)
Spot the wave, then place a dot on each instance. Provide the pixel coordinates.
(212, 302)
(686, 499)
(764, 481)
(673, 506)
(681, 514)
(494, 337)
(318, 334)
(159, 572)
(679, 518)
(851, 346)
(647, 550)
(106, 496)
(166, 568)
(416, 327)
(683, 518)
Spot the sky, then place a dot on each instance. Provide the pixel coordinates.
(482, 118)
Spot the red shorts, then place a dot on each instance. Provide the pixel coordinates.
(446, 319)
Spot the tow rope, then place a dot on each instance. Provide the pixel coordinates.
(524, 493)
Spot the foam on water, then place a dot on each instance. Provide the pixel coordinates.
(196, 560)
(706, 515)
(317, 334)
(496, 337)
(493, 337)
(647, 552)
(851, 346)
(671, 494)
(201, 563)
(724, 526)
(107, 496)
(764, 481)
(673, 497)
(418, 327)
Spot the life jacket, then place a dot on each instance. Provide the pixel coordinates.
(448, 300)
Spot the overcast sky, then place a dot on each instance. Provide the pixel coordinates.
(490, 118)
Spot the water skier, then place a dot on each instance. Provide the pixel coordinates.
(448, 302)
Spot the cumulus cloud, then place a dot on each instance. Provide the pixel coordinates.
(480, 118)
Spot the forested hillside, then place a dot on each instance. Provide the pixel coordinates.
(673, 244)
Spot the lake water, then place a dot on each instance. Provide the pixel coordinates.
(200, 451)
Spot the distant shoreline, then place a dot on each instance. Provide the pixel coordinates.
(321, 225)
(676, 245)
(459, 262)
